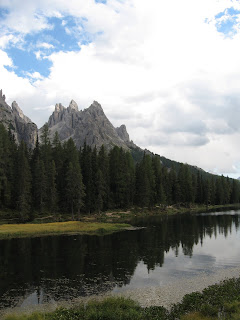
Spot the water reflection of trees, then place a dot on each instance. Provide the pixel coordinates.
(68, 266)
(183, 231)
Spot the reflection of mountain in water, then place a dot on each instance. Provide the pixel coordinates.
(71, 266)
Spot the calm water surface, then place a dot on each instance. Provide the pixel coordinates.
(35, 271)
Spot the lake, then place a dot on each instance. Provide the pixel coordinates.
(47, 269)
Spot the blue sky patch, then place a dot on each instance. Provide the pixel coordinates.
(101, 1)
(66, 34)
(3, 12)
(25, 61)
(227, 22)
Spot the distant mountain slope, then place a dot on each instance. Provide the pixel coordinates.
(21, 126)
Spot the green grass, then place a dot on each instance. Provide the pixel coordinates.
(220, 301)
(229, 311)
(71, 227)
(109, 309)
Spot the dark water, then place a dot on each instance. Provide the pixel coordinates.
(34, 271)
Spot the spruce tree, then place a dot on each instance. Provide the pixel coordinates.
(74, 188)
(100, 191)
(103, 165)
(6, 167)
(23, 183)
(52, 191)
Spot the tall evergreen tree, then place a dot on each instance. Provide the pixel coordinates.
(23, 183)
(103, 165)
(7, 154)
(89, 183)
(145, 183)
(52, 191)
(74, 188)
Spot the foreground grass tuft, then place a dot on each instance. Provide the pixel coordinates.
(109, 309)
(71, 227)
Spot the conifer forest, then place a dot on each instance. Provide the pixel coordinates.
(56, 177)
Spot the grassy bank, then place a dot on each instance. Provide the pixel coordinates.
(220, 301)
(71, 227)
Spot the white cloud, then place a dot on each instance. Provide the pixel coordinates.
(35, 75)
(4, 40)
(5, 60)
(45, 45)
(157, 65)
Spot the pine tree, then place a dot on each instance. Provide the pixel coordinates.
(23, 183)
(74, 188)
(159, 191)
(86, 165)
(52, 191)
(145, 183)
(185, 182)
(103, 165)
(100, 192)
(235, 192)
(39, 185)
(219, 191)
(46, 148)
(6, 167)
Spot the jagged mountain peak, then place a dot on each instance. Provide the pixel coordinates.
(20, 125)
(95, 107)
(2, 96)
(3, 103)
(90, 125)
(17, 111)
(59, 107)
(122, 132)
(73, 105)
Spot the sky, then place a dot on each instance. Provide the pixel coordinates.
(168, 69)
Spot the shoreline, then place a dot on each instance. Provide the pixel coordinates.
(117, 216)
(173, 293)
(164, 296)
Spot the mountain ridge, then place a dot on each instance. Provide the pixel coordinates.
(13, 119)
(89, 125)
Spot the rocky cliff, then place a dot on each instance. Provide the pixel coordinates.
(90, 125)
(21, 126)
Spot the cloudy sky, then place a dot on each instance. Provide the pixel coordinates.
(168, 69)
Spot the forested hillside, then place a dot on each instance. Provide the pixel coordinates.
(56, 177)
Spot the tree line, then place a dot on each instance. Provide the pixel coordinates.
(56, 177)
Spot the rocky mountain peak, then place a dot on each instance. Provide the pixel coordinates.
(3, 104)
(122, 132)
(21, 126)
(89, 125)
(59, 107)
(2, 97)
(96, 108)
(73, 105)
(17, 111)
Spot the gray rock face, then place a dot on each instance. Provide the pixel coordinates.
(122, 132)
(18, 113)
(21, 126)
(90, 125)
